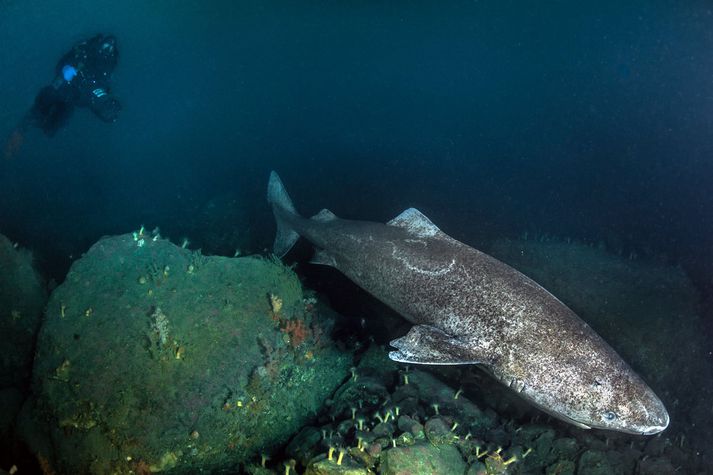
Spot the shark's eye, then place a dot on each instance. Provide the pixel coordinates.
(610, 416)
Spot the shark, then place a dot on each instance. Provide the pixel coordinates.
(467, 307)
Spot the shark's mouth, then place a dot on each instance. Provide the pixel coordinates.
(553, 413)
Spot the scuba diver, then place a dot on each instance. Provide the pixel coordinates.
(82, 79)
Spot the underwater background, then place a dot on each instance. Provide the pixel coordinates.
(571, 140)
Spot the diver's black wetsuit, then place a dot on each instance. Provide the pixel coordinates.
(83, 77)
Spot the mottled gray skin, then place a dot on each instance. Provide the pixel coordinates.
(468, 307)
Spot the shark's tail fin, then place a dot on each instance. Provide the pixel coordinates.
(282, 208)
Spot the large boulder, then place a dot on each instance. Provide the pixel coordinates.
(154, 358)
(22, 298)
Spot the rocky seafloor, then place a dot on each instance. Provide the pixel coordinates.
(391, 419)
(157, 359)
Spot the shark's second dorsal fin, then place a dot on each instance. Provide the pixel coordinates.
(415, 223)
(425, 344)
(324, 216)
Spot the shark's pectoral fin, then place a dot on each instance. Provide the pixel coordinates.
(425, 344)
(322, 257)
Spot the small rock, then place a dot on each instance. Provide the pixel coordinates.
(563, 467)
(362, 457)
(385, 429)
(422, 459)
(477, 468)
(409, 405)
(542, 446)
(566, 448)
(384, 442)
(655, 466)
(374, 450)
(330, 467)
(529, 433)
(438, 431)
(407, 391)
(418, 431)
(302, 446)
(498, 436)
(345, 426)
(405, 439)
(594, 462)
(405, 423)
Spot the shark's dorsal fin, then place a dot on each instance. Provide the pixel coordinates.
(324, 216)
(415, 222)
(425, 344)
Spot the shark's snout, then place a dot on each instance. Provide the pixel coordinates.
(649, 415)
(658, 422)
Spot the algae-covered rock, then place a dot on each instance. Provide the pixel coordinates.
(22, 298)
(477, 468)
(655, 466)
(330, 467)
(563, 467)
(438, 432)
(565, 448)
(153, 358)
(593, 462)
(422, 459)
(301, 447)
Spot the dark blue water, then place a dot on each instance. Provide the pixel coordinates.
(591, 122)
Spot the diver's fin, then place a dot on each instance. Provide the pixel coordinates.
(324, 216)
(415, 223)
(322, 257)
(425, 344)
(282, 208)
(14, 143)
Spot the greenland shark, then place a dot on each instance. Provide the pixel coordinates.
(469, 308)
